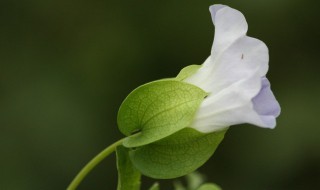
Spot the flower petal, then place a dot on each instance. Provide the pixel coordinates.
(232, 75)
(264, 103)
(245, 56)
(230, 106)
(241, 54)
(230, 25)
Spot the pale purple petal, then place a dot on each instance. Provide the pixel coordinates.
(264, 102)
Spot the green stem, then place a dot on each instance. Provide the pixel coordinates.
(95, 161)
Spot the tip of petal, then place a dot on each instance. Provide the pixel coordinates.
(265, 102)
(214, 9)
(268, 122)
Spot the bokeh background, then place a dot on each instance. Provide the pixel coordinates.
(66, 66)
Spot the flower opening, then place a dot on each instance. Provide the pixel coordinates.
(234, 76)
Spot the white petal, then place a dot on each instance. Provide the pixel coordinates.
(233, 54)
(230, 25)
(245, 56)
(232, 75)
(230, 106)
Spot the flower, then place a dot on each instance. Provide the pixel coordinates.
(234, 77)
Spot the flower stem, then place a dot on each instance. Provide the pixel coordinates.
(95, 161)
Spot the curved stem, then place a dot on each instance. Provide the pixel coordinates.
(95, 161)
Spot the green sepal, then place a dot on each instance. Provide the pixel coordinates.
(176, 155)
(157, 110)
(194, 180)
(209, 186)
(128, 176)
(178, 185)
(155, 186)
(187, 71)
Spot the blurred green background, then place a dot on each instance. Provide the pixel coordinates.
(66, 66)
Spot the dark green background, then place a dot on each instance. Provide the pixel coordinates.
(66, 66)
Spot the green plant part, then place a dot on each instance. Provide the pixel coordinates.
(176, 155)
(155, 186)
(187, 71)
(128, 175)
(209, 186)
(157, 110)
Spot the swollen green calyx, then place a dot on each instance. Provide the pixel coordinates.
(156, 119)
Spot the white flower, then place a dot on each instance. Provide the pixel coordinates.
(234, 77)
